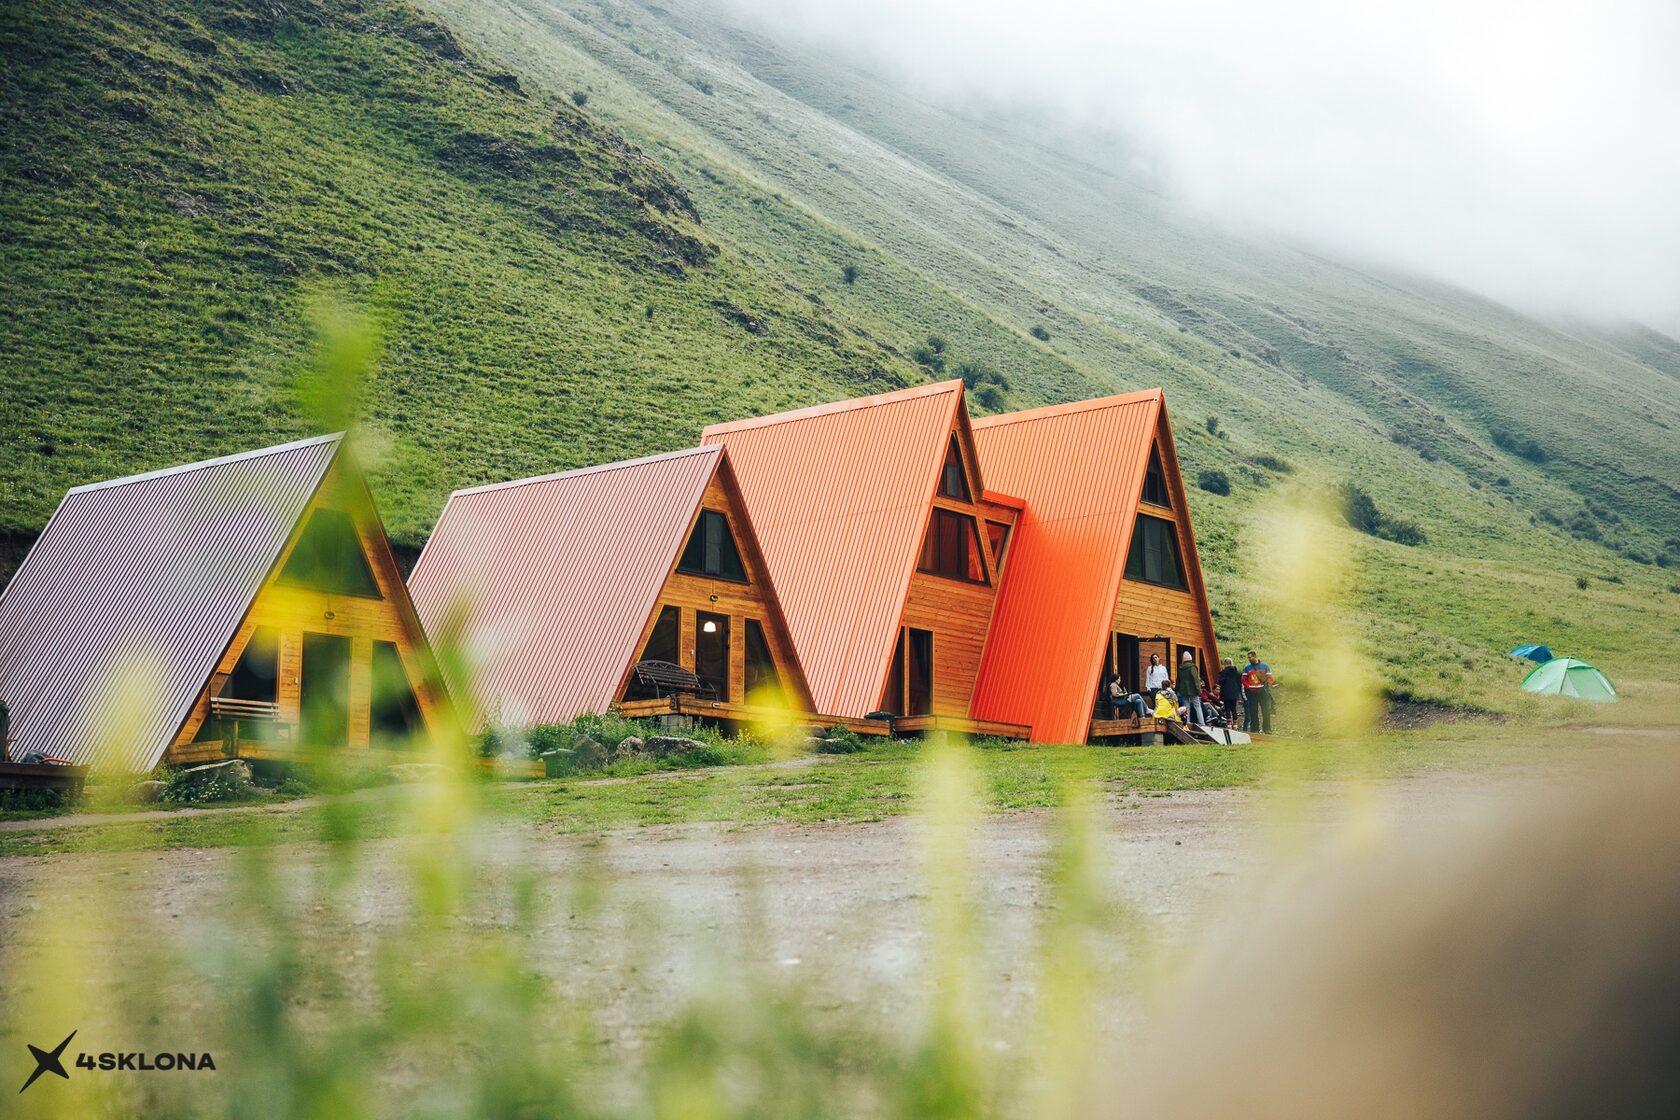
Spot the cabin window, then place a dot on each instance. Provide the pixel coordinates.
(394, 717)
(953, 480)
(324, 690)
(257, 673)
(662, 645)
(909, 690)
(711, 651)
(997, 534)
(329, 557)
(1155, 481)
(952, 547)
(711, 550)
(764, 684)
(1154, 556)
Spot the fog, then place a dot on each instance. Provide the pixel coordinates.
(1528, 149)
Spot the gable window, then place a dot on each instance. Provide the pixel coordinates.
(711, 550)
(1155, 481)
(1154, 556)
(329, 557)
(953, 480)
(997, 535)
(764, 684)
(952, 547)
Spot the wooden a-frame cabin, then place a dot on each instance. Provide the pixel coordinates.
(560, 586)
(1104, 570)
(250, 602)
(886, 547)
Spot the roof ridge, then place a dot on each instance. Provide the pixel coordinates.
(1137, 396)
(829, 408)
(203, 463)
(622, 464)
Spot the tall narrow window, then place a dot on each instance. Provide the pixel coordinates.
(952, 547)
(892, 698)
(1154, 556)
(711, 550)
(394, 716)
(953, 480)
(1155, 481)
(997, 533)
(329, 557)
(764, 684)
(254, 677)
(918, 672)
(662, 645)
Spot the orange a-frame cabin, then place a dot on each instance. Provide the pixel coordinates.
(1104, 569)
(562, 585)
(884, 545)
(251, 601)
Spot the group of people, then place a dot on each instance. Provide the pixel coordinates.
(1238, 695)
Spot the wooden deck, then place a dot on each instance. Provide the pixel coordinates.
(744, 713)
(1126, 728)
(915, 725)
(23, 775)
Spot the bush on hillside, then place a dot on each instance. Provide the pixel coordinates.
(1362, 513)
(928, 358)
(1213, 425)
(849, 273)
(1040, 333)
(579, 98)
(1520, 446)
(1272, 463)
(1214, 482)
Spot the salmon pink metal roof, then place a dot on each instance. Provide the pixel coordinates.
(1080, 468)
(839, 495)
(557, 577)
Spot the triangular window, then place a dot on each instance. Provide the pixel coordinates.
(329, 557)
(1155, 481)
(711, 550)
(953, 480)
(997, 533)
(952, 547)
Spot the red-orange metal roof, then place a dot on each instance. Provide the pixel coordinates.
(839, 495)
(558, 575)
(1080, 469)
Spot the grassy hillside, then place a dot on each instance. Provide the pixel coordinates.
(588, 229)
(178, 182)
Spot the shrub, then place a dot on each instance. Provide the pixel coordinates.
(989, 397)
(1272, 463)
(1213, 425)
(1214, 482)
(1362, 513)
(32, 800)
(579, 98)
(1674, 589)
(230, 783)
(1581, 583)
(1039, 332)
(936, 344)
(974, 375)
(702, 85)
(840, 740)
(1519, 446)
(928, 358)
(849, 273)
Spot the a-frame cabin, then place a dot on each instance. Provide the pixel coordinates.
(561, 585)
(250, 602)
(885, 545)
(1105, 570)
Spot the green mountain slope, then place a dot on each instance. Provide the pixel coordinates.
(178, 182)
(729, 225)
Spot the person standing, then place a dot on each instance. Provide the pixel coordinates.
(1156, 677)
(1190, 688)
(1257, 694)
(1230, 690)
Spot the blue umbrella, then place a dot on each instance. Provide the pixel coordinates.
(1541, 654)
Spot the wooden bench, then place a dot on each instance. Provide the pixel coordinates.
(666, 679)
(232, 712)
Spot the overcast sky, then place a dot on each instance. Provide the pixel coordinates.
(1526, 148)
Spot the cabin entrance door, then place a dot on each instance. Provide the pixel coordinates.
(324, 691)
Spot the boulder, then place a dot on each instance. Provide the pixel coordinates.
(629, 747)
(147, 791)
(229, 770)
(667, 746)
(587, 754)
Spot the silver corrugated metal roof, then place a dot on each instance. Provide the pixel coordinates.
(117, 616)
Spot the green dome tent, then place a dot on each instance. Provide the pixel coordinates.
(1565, 676)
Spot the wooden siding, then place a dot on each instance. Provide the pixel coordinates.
(755, 600)
(292, 611)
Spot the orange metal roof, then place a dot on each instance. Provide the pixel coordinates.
(839, 495)
(1080, 468)
(558, 576)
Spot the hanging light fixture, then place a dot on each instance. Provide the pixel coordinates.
(709, 627)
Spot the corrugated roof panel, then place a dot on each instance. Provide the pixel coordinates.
(838, 495)
(151, 575)
(1080, 468)
(558, 576)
